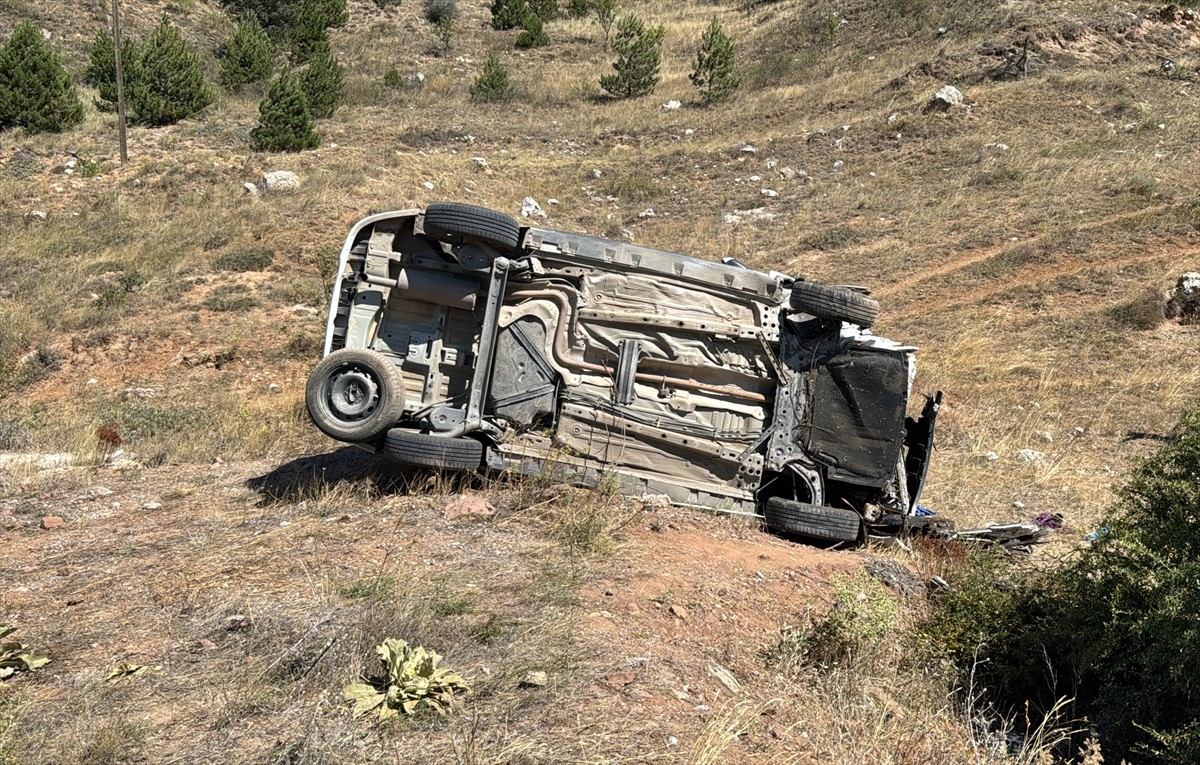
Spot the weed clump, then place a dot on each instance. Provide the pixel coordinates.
(411, 679)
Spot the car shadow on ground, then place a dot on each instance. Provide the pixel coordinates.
(307, 477)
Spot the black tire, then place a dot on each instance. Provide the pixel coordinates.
(452, 222)
(826, 524)
(411, 447)
(834, 303)
(355, 394)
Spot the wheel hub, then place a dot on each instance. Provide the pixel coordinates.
(353, 394)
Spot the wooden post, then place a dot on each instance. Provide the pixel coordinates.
(116, 17)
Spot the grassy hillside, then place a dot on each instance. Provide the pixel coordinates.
(1021, 239)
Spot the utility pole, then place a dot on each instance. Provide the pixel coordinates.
(116, 18)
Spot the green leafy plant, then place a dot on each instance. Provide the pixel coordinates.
(284, 122)
(411, 679)
(492, 84)
(606, 14)
(533, 34)
(247, 57)
(15, 657)
(713, 72)
(639, 57)
(508, 14)
(546, 10)
(169, 85)
(578, 9)
(35, 91)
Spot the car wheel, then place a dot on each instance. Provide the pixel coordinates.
(826, 524)
(355, 394)
(411, 447)
(834, 303)
(452, 222)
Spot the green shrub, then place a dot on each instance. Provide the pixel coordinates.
(606, 14)
(276, 16)
(337, 15)
(393, 79)
(546, 10)
(35, 91)
(713, 70)
(308, 35)
(508, 14)
(170, 83)
(639, 56)
(436, 10)
(492, 84)
(533, 34)
(322, 82)
(102, 68)
(247, 57)
(284, 123)
(578, 9)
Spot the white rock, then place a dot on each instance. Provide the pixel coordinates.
(1018, 505)
(689, 131)
(771, 164)
(1001, 147)
(249, 188)
(755, 178)
(839, 165)
(1031, 456)
(647, 213)
(551, 201)
(152, 506)
(280, 180)
(1130, 127)
(787, 173)
(596, 172)
(771, 193)
(1078, 432)
(744, 216)
(672, 105)
(36, 214)
(749, 149)
(428, 185)
(991, 456)
(91, 381)
(483, 163)
(531, 209)
(948, 96)
(1046, 436)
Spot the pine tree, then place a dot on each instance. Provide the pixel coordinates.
(508, 14)
(546, 10)
(578, 9)
(533, 34)
(322, 83)
(170, 83)
(247, 57)
(639, 56)
(284, 122)
(102, 68)
(308, 33)
(276, 16)
(35, 91)
(714, 70)
(606, 13)
(492, 84)
(335, 12)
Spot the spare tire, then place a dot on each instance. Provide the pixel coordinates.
(412, 447)
(825, 524)
(835, 303)
(355, 394)
(453, 222)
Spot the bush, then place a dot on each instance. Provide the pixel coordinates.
(337, 15)
(308, 34)
(713, 72)
(35, 91)
(102, 68)
(578, 9)
(533, 34)
(437, 10)
(508, 14)
(492, 84)
(247, 57)
(639, 56)
(169, 85)
(322, 82)
(284, 123)
(276, 16)
(606, 13)
(546, 10)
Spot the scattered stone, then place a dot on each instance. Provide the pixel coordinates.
(1018, 505)
(552, 201)
(749, 150)
(142, 393)
(771, 164)
(1184, 301)
(1130, 127)
(672, 105)
(755, 178)
(53, 522)
(250, 189)
(91, 381)
(204, 644)
(839, 165)
(1078, 432)
(679, 612)
(596, 172)
(468, 506)
(788, 173)
(689, 131)
(945, 98)
(1046, 436)
(619, 680)
(481, 162)
(280, 180)
(152, 506)
(535, 679)
(991, 456)
(531, 209)
(999, 147)
(655, 501)
(237, 622)
(428, 185)
(896, 576)
(1031, 456)
(36, 214)
(648, 213)
(757, 214)
(770, 193)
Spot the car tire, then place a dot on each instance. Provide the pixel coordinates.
(411, 447)
(452, 222)
(835, 303)
(355, 394)
(825, 524)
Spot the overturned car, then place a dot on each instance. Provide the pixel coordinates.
(458, 339)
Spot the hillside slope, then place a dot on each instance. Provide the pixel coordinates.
(1021, 239)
